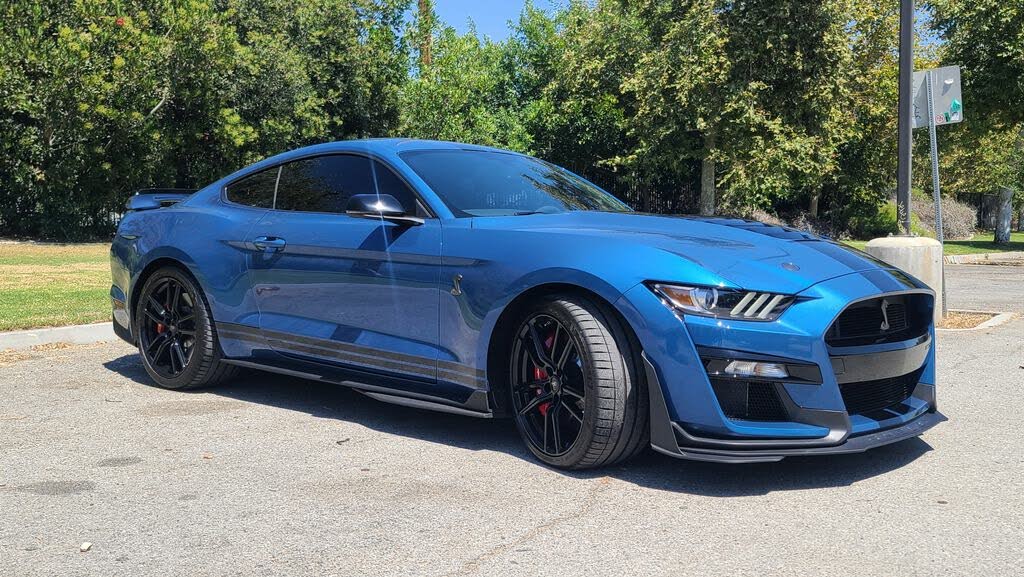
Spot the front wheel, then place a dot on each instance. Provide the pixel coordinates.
(175, 333)
(577, 398)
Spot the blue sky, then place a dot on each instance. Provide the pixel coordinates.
(490, 16)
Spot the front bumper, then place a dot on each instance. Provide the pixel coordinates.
(671, 439)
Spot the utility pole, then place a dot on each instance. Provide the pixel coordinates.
(906, 114)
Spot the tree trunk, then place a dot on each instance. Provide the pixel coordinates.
(813, 207)
(1020, 219)
(707, 177)
(1004, 215)
(426, 34)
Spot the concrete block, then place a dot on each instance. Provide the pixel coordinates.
(917, 255)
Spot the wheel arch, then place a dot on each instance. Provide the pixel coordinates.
(502, 333)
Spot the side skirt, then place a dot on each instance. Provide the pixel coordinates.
(381, 393)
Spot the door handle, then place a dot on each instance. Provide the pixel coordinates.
(269, 243)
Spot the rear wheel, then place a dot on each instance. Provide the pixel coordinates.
(175, 333)
(577, 400)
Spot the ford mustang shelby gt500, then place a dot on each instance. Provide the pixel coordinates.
(483, 282)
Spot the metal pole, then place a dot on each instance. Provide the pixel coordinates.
(906, 113)
(936, 191)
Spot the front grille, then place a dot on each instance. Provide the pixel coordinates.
(868, 396)
(882, 320)
(749, 400)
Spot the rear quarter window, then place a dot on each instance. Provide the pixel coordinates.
(255, 190)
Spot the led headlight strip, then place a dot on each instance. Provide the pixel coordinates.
(720, 302)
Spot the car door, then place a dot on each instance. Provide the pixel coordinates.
(357, 292)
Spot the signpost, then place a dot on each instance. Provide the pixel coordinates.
(937, 101)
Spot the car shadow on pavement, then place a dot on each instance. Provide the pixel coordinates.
(650, 469)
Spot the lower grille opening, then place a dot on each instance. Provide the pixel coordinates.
(869, 396)
(749, 400)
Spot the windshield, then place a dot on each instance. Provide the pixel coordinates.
(492, 183)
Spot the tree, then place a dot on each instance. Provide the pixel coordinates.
(984, 37)
(463, 94)
(755, 90)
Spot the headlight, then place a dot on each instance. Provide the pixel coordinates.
(718, 302)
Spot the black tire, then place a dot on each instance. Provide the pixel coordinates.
(611, 418)
(172, 313)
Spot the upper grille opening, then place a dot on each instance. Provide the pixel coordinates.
(882, 320)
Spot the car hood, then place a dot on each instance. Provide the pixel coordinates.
(749, 254)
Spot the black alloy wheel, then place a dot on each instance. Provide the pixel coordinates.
(575, 393)
(176, 334)
(548, 393)
(168, 335)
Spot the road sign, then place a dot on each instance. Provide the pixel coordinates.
(948, 100)
(937, 101)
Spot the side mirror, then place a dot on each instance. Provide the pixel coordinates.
(379, 206)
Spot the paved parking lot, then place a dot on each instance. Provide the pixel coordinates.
(985, 287)
(276, 476)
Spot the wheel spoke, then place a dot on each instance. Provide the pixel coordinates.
(523, 386)
(545, 447)
(556, 435)
(536, 350)
(565, 356)
(571, 392)
(152, 316)
(159, 339)
(159, 308)
(177, 295)
(164, 346)
(187, 318)
(533, 404)
(187, 332)
(178, 355)
(572, 412)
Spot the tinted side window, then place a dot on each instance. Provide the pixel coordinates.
(256, 190)
(325, 183)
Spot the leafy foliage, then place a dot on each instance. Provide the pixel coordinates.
(779, 106)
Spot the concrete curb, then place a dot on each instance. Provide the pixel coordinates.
(1009, 257)
(75, 334)
(998, 319)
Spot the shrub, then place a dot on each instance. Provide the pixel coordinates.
(958, 218)
(883, 223)
(761, 215)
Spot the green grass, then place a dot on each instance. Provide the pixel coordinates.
(981, 243)
(45, 285)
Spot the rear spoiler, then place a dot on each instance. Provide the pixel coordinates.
(150, 198)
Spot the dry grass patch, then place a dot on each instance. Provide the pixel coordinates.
(47, 285)
(9, 357)
(956, 320)
(52, 347)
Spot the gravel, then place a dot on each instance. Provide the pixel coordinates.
(275, 476)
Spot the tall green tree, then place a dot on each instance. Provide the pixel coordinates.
(756, 90)
(985, 38)
(463, 93)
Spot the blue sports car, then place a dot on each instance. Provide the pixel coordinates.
(483, 282)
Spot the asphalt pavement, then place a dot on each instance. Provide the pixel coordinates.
(279, 476)
(987, 287)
